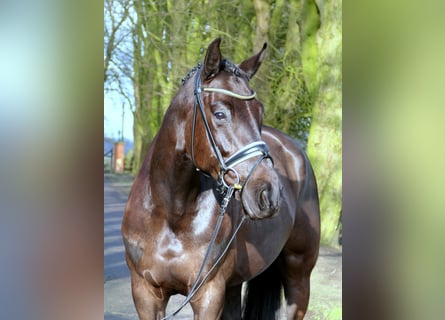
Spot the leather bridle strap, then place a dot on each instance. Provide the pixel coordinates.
(254, 149)
(198, 284)
(198, 103)
(258, 148)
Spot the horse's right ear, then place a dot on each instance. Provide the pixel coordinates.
(212, 60)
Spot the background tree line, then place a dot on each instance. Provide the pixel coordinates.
(150, 45)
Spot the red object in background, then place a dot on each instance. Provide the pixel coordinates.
(118, 157)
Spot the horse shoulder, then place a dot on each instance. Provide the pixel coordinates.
(294, 166)
(296, 171)
(139, 216)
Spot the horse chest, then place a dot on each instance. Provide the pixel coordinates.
(170, 262)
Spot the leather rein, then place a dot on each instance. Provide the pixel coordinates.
(257, 149)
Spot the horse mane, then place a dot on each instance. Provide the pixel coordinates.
(190, 73)
(225, 65)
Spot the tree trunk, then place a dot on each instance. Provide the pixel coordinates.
(262, 15)
(325, 140)
(262, 11)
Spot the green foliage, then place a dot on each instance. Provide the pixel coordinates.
(181, 32)
(334, 314)
(325, 143)
(128, 161)
(290, 104)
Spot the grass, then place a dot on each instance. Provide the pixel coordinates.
(327, 312)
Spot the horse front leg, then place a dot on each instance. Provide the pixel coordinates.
(150, 302)
(297, 297)
(209, 301)
(296, 283)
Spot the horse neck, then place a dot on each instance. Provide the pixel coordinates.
(174, 179)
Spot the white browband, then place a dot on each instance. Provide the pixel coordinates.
(230, 93)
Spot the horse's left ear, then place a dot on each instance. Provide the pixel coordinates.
(251, 65)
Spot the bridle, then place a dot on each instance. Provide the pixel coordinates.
(257, 149)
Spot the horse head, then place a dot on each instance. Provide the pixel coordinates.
(225, 131)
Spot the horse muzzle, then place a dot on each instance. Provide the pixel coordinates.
(257, 181)
(262, 195)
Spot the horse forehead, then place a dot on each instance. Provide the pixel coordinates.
(248, 110)
(231, 82)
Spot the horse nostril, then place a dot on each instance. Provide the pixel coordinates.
(269, 199)
(264, 199)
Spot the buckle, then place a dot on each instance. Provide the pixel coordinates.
(222, 186)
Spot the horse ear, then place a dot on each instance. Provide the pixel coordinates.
(212, 60)
(251, 65)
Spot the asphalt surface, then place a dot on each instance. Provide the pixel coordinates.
(326, 278)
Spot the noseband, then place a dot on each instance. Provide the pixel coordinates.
(256, 149)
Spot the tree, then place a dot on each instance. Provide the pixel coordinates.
(117, 50)
(169, 37)
(303, 97)
(116, 13)
(325, 140)
(280, 82)
(299, 82)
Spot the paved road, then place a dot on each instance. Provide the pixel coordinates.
(118, 303)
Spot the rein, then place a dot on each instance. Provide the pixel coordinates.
(198, 284)
(256, 149)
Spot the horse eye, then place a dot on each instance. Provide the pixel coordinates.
(220, 115)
